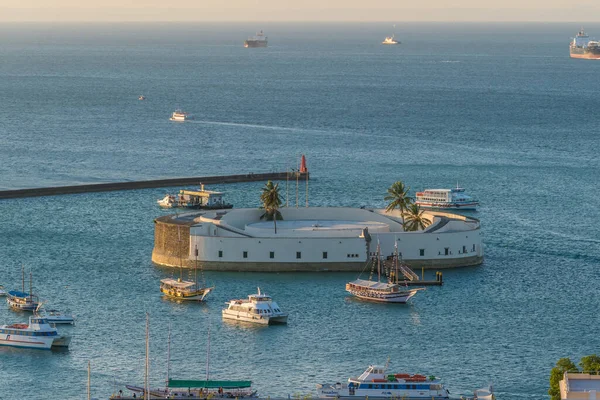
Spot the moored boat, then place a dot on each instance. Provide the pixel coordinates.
(258, 309)
(377, 383)
(56, 317)
(22, 300)
(38, 334)
(448, 199)
(383, 292)
(195, 199)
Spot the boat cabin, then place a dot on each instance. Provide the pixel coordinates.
(202, 197)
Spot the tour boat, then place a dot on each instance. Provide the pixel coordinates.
(376, 383)
(179, 116)
(2, 291)
(39, 334)
(195, 199)
(390, 40)
(258, 308)
(382, 292)
(21, 300)
(451, 199)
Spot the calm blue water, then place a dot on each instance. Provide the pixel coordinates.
(499, 108)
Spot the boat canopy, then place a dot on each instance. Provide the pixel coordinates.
(178, 383)
(18, 293)
(177, 284)
(372, 284)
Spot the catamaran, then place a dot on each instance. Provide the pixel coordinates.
(38, 334)
(383, 292)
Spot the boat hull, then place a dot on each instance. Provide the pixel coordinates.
(448, 206)
(255, 43)
(588, 56)
(199, 296)
(254, 319)
(328, 393)
(27, 342)
(21, 305)
(390, 298)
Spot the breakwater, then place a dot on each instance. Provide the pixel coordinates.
(156, 183)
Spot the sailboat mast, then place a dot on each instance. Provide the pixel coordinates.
(208, 355)
(23, 277)
(180, 254)
(30, 285)
(147, 372)
(196, 266)
(89, 383)
(378, 262)
(168, 354)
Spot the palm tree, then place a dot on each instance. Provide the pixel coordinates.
(415, 219)
(271, 202)
(398, 198)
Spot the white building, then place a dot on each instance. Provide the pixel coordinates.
(578, 386)
(313, 239)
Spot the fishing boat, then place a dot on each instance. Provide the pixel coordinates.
(178, 289)
(377, 383)
(376, 290)
(179, 116)
(258, 308)
(38, 334)
(22, 300)
(448, 199)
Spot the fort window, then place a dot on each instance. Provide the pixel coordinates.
(464, 249)
(298, 254)
(422, 252)
(272, 254)
(446, 251)
(324, 255)
(220, 253)
(245, 254)
(473, 247)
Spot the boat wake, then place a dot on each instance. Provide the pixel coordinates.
(255, 126)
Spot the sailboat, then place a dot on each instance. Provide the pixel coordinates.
(178, 289)
(189, 389)
(21, 300)
(376, 290)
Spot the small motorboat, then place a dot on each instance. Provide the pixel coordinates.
(179, 116)
(56, 317)
(2, 291)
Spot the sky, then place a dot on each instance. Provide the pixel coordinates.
(302, 10)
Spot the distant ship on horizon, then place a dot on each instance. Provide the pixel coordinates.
(582, 47)
(259, 40)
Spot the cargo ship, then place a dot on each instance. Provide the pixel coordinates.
(582, 47)
(260, 40)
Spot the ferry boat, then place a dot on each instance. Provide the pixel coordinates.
(179, 116)
(195, 199)
(259, 40)
(382, 292)
(376, 383)
(450, 199)
(582, 47)
(390, 40)
(258, 308)
(39, 334)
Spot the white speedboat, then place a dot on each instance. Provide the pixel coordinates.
(56, 317)
(2, 291)
(39, 334)
(390, 40)
(450, 199)
(376, 383)
(258, 308)
(179, 116)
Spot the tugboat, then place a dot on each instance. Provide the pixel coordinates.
(582, 47)
(39, 334)
(376, 383)
(260, 40)
(452, 199)
(258, 308)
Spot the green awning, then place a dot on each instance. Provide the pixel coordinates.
(178, 383)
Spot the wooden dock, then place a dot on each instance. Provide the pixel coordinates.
(156, 183)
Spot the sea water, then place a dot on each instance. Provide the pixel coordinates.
(499, 109)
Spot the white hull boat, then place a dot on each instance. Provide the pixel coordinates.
(56, 317)
(257, 309)
(2, 291)
(446, 199)
(39, 334)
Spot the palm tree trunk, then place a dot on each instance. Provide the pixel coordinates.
(275, 221)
